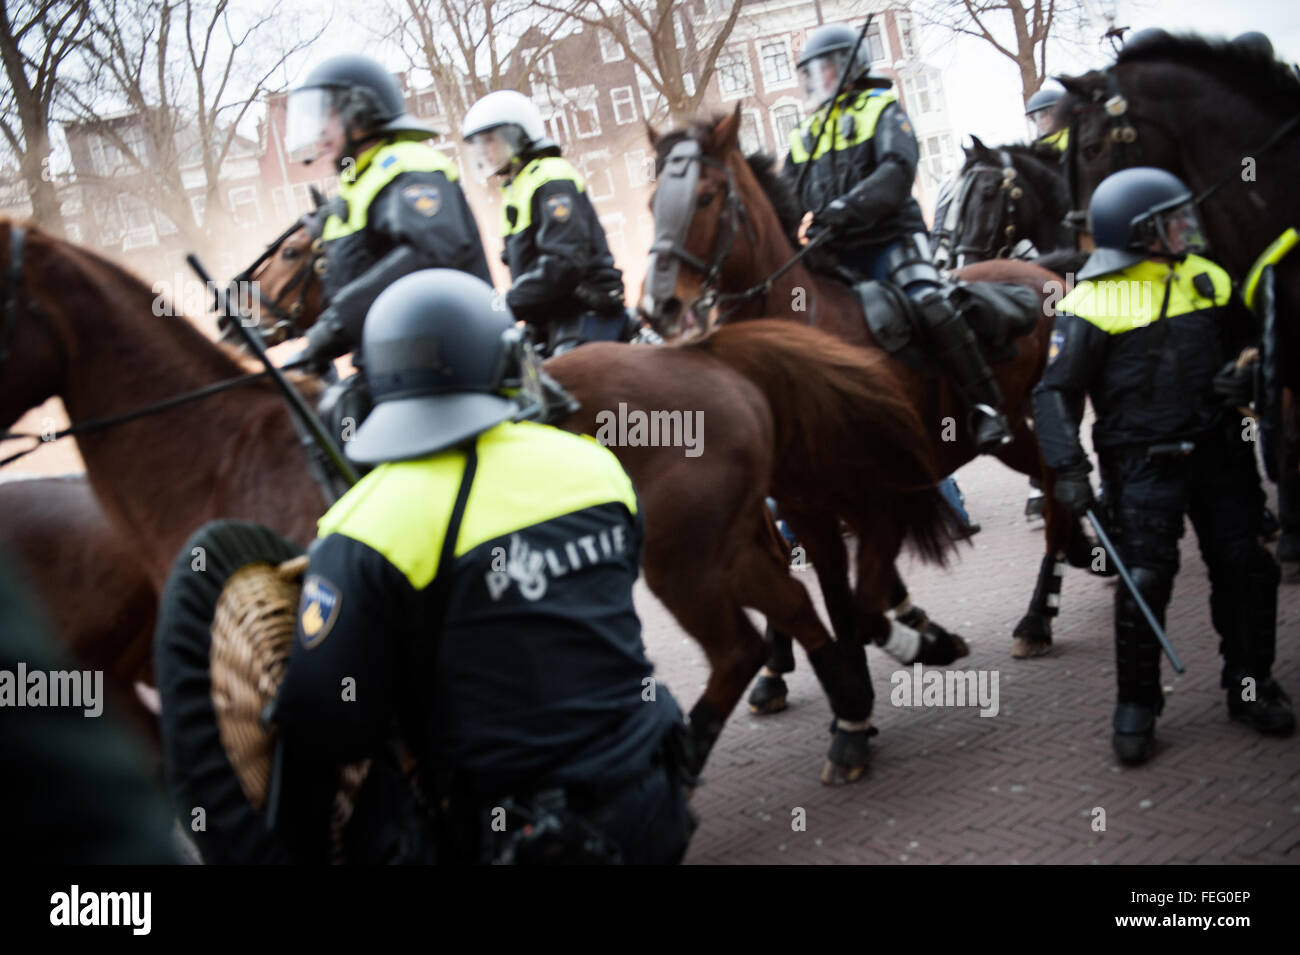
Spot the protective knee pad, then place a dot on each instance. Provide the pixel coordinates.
(1137, 650)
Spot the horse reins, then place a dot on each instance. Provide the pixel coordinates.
(1009, 193)
(14, 293)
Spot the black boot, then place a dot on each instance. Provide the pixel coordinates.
(1137, 666)
(958, 353)
(1269, 711)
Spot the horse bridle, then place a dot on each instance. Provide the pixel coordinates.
(674, 210)
(1009, 193)
(1121, 132)
(286, 325)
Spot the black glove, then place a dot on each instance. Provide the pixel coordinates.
(1073, 489)
(325, 342)
(1236, 386)
(835, 218)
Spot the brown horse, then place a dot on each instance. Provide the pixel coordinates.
(739, 227)
(708, 553)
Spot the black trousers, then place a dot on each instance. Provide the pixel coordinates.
(1217, 486)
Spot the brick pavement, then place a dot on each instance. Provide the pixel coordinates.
(947, 786)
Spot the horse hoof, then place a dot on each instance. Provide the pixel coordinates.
(768, 696)
(939, 647)
(848, 758)
(1022, 648)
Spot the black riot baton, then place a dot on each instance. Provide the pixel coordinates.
(1133, 589)
(296, 404)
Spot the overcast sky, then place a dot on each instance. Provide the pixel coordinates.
(983, 86)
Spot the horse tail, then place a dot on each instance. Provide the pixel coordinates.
(844, 431)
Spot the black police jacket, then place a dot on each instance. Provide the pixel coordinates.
(555, 247)
(1144, 344)
(403, 210)
(535, 675)
(867, 157)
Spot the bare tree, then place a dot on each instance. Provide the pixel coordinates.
(187, 74)
(36, 38)
(675, 45)
(1020, 30)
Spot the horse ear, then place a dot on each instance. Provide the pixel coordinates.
(1078, 85)
(651, 133)
(726, 134)
(978, 149)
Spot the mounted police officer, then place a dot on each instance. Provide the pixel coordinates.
(490, 620)
(565, 282)
(1039, 112)
(1145, 334)
(404, 209)
(857, 178)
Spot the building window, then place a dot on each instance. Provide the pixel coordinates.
(165, 224)
(751, 133)
(557, 126)
(733, 74)
(905, 39)
(774, 58)
(198, 205)
(624, 105)
(546, 71)
(876, 43)
(640, 168)
(244, 207)
(611, 51)
(613, 226)
(785, 119)
(133, 139)
(139, 232)
(73, 232)
(652, 101)
(917, 88)
(586, 121)
(594, 167)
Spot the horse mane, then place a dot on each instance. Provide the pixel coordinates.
(193, 341)
(1248, 69)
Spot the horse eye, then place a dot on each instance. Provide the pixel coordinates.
(705, 199)
(1092, 150)
(291, 253)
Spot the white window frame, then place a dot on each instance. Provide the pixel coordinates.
(906, 36)
(282, 203)
(741, 55)
(594, 167)
(592, 109)
(652, 101)
(752, 115)
(616, 98)
(640, 167)
(199, 207)
(784, 103)
(792, 79)
(247, 195)
(557, 127)
(877, 32)
(138, 231)
(611, 51)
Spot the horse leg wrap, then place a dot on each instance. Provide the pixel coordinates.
(706, 727)
(842, 671)
(904, 643)
(1047, 592)
(781, 657)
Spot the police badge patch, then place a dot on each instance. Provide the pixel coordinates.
(1054, 346)
(559, 207)
(425, 200)
(320, 605)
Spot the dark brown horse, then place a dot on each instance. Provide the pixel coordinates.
(1224, 118)
(741, 224)
(86, 331)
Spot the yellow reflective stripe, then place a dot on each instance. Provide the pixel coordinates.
(527, 473)
(1274, 254)
(1058, 140)
(1132, 297)
(865, 110)
(376, 168)
(518, 192)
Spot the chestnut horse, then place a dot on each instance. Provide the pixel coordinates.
(738, 231)
(85, 330)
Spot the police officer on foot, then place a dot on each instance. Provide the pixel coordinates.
(856, 174)
(404, 209)
(488, 617)
(565, 283)
(1145, 334)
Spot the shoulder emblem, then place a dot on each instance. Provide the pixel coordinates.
(559, 208)
(319, 605)
(424, 199)
(1054, 345)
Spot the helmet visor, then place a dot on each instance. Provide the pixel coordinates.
(820, 76)
(310, 122)
(492, 149)
(1180, 229)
